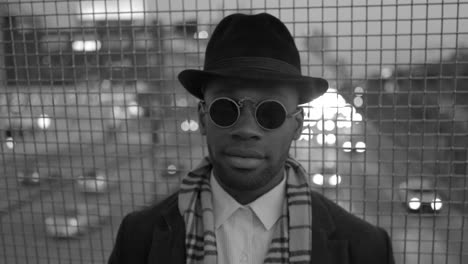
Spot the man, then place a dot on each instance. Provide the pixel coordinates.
(249, 202)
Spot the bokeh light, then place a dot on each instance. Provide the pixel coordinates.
(317, 179)
(436, 204)
(44, 121)
(334, 180)
(414, 203)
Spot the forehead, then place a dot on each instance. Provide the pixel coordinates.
(259, 90)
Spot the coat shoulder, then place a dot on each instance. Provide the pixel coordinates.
(346, 223)
(368, 242)
(136, 231)
(151, 216)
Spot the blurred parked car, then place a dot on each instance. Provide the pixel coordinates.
(420, 196)
(29, 177)
(328, 178)
(32, 176)
(95, 181)
(74, 221)
(358, 146)
(171, 168)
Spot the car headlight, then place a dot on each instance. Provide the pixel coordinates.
(35, 177)
(201, 35)
(99, 183)
(330, 139)
(43, 121)
(189, 125)
(134, 109)
(360, 146)
(317, 179)
(436, 204)
(320, 138)
(10, 143)
(347, 146)
(414, 203)
(86, 45)
(71, 229)
(334, 180)
(171, 169)
(72, 222)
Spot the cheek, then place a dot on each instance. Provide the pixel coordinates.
(215, 136)
(279, 145)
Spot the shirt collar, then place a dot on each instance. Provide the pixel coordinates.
(268, 207)
(223, 204)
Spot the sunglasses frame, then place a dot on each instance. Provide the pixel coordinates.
(240, 104)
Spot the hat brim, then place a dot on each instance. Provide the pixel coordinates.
(308, 88)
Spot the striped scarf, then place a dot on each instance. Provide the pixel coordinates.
(292, 240)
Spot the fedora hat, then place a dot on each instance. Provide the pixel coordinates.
(254, 47)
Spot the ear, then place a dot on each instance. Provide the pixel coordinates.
(201, 119)
(299, 124)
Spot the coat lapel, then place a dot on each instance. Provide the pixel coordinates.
(168, 245)
(324, 249)
(160, 247)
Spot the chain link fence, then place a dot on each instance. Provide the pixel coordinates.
(94, 124)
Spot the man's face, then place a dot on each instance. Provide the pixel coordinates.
(245, 156)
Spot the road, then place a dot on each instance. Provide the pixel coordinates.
(367, 190)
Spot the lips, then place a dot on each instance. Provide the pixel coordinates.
(246, 159)
(244, 153)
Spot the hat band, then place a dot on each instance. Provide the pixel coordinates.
(262, 63)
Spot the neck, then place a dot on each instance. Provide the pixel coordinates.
(247, 196)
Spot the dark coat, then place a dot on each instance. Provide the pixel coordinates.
(157, 235)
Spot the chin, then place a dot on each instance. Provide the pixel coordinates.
(246, 186)
(246, 180)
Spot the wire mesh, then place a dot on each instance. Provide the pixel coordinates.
(93, 123)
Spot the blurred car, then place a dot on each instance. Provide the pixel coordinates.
(9, 143)
(172, 168)
(74, 221)
(420, 196)
(170, 172)
(172, 163)
(327, 179)
(358, 147)
(29, 177)
(95, 181)
(36, 176)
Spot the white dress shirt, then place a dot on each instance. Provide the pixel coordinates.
(243, 232)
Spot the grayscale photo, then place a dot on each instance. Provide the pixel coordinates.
(234, 132)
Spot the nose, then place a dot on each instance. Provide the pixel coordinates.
(246, 127)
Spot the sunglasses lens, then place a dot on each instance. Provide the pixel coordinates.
(270, 114)
(224, 112)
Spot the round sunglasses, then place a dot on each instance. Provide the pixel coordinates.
(269, 114)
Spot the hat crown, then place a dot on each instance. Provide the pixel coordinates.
(252, 36)
(253, 47)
